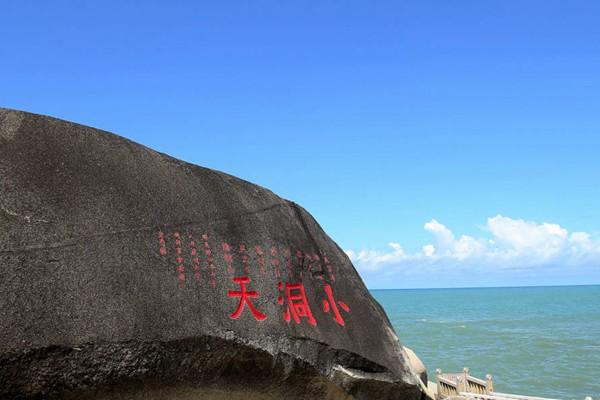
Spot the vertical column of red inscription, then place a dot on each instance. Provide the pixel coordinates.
(260, 259)
(275, 262)
(228, 257)
(318, 266)
(179, 255)
(308, 264)
(212, 276)
(162, 245)
(194, 254)
(244, 259)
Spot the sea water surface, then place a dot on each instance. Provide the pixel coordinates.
(537, 341)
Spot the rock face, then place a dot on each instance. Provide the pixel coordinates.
(124, 272)
(417, 365)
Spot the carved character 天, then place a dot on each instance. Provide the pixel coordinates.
(245, 296)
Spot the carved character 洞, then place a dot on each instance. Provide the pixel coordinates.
(297, 303)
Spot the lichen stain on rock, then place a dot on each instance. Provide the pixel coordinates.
(10, 121)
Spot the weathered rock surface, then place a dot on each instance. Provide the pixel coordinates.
(124, 272)
(416, 364)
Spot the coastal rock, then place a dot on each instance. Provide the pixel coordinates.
(126, 273)
(416, 364)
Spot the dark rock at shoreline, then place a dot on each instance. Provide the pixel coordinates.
(124, 271)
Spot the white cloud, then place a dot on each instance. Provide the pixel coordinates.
(442, 234)
(541, 241)
(505, 243)
(372, 260)
(429, 250)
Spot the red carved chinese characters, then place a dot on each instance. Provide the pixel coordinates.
(228, 257)
(180, 267)
(260, 259)
(162, 245)
(308, 262)
(275, 262)
(297, 304)
(210, 264)
(195, 260)
(321, 274)
(330, 304)
(245, 297)
(244, 257)
(283, 261)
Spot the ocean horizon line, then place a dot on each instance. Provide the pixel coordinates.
(488, 287)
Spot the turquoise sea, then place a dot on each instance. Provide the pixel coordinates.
(538, 341)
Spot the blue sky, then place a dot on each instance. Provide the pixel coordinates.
(386, 120)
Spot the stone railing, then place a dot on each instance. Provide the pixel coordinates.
(452, 384)
(471, 388)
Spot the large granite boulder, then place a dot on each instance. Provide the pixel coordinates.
(125, 273)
